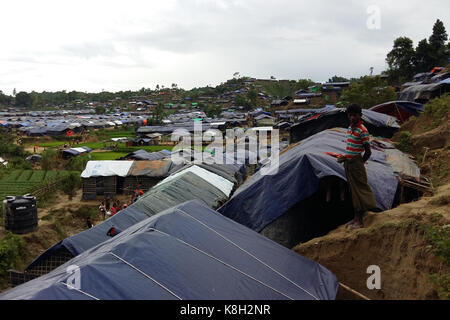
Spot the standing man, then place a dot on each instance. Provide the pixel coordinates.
(357, 143)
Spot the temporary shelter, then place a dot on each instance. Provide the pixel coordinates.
(377, 124)
(188, 252)
(287, 204)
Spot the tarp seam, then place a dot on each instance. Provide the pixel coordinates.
(223, 262)
(79, 290)
(146, 275)
(250, 254)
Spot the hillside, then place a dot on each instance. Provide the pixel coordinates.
(410, 243)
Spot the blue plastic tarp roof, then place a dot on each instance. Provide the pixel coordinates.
(263, 198)
(188, 252)
(411, 107)
(159, 198)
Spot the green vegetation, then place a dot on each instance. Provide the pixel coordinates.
(20, 182)
(438, 109)
(438, 237)
(70, 184)
(368, 92)
(281, 89)
(57, 227)
(405, 143)
(12, 248)
(48, 160)
(404, 61)
(107, 155)
(442, 283)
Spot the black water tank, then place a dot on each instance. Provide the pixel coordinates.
(21, 214)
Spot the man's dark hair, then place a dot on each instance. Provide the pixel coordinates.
(354, 108)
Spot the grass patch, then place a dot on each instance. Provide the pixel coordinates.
(107, 155)
(405, 143)
(439, 239)
(442, 283)
(438, 109)
(12, 248)
(57, 227)
(94, 145)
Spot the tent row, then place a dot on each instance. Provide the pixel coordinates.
(300, 212)
(188, 252)
(211, 184)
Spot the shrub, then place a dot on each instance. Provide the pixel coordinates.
(70, 184)
(12, 247)
(405, 143)
(77, 163)
(48, 160)
(438, 109)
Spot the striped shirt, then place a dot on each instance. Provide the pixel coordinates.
(357, 135)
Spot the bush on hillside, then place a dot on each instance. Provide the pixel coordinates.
(438, 109)
(405, 143)
(70, 184)
(12, 248)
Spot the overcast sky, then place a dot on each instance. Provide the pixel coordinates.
(119, 45)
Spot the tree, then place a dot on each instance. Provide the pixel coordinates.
(437, 44)
(100, 110)
(158, 113)
(212, 111)
(241, 101)
(368, 92)
(70, 184)
(252, 97)
(48, 159)
(400, 60)
(422, 58)
(337, 79)
(4, 99)
(439, 36)
(23, 100)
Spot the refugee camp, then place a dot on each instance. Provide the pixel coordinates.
(136, 163)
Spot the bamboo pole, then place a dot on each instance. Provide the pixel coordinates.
(353, 291)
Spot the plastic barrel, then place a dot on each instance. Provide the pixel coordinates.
(21, 214)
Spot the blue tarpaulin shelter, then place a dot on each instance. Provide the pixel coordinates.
(188, 252)
(264, 198)
(378, 124)
(208, 183)
(401, 110)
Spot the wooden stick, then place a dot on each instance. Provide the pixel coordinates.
(353, 291)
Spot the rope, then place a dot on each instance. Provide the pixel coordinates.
(81, 291)
(223, 262)
(146, 275)
(253, 256)
(353, 291)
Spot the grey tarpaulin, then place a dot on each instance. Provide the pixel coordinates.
(188, 252)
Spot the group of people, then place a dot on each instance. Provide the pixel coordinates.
(108, 208)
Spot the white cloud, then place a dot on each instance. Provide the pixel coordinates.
(117, 45)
